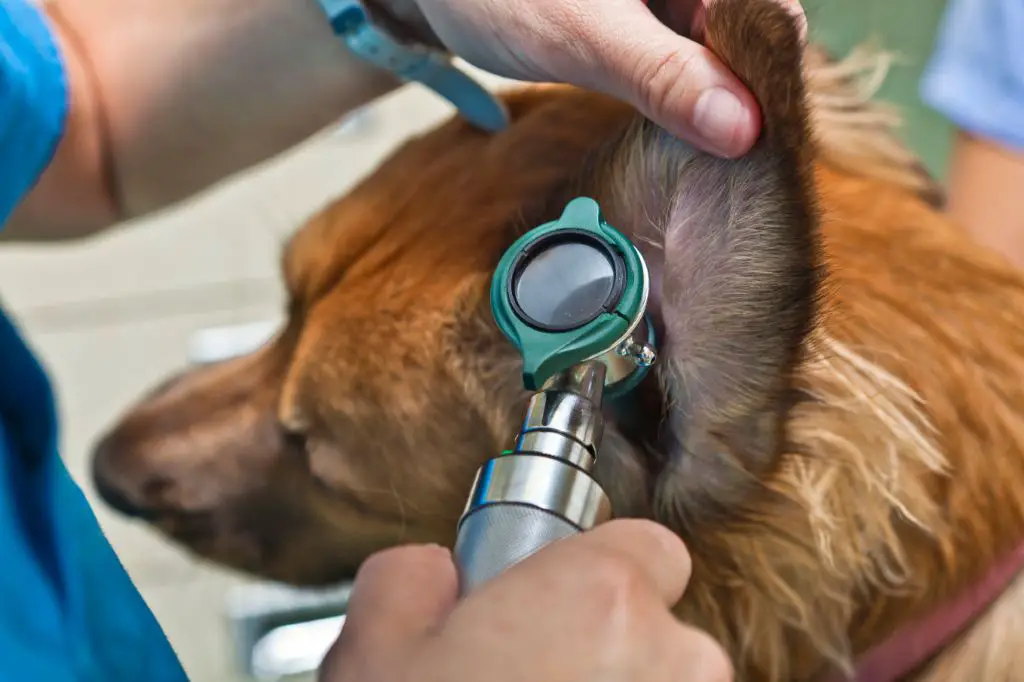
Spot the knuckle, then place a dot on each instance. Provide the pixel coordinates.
(573, 23)
(378, 560)
(618, 579)
(659, 82)
(384, 558)
(616, 607)
(403, 555)
(710, 657)
(570, 37)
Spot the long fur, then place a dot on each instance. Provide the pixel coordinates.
(855, 132)
(857, 450)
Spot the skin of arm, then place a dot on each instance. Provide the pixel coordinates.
(168, 98)
(986, 193)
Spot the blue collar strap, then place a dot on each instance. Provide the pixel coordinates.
(420, 63)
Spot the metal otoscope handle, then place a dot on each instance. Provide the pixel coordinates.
(541, 491)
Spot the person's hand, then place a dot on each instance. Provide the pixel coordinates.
(645, 52)
(591, 607)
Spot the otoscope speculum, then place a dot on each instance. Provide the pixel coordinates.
(575, 290)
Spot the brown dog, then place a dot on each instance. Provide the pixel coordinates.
(834, 427)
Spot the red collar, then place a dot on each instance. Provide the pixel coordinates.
(919, 640)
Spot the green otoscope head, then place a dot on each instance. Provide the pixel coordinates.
(575, 290)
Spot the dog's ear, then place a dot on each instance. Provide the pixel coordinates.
(732, 246)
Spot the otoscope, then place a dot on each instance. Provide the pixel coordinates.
(571, 296)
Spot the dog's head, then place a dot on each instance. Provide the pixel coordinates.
(361, 424)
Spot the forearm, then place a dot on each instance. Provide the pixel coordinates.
(970, 80)
(167, 98)
(985, 181)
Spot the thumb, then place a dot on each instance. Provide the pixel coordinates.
(677, 83)
(399, 595)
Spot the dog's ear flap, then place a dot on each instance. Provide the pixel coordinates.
(732, 246)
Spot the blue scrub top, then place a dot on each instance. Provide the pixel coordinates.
(975, 77)
(68, 610)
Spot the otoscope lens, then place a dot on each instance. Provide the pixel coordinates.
(565, 285)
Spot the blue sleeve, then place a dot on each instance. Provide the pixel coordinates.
(975, 77)
(33, 99)
(68, 610)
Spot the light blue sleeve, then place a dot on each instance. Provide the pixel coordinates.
(975, 77)
(33, 100)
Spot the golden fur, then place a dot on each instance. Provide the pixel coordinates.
(863, 465)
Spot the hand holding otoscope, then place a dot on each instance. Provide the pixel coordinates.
(517, 606)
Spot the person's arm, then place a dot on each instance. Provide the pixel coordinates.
(167, 98)
(976, 80)
(986, 193)
(170, 97)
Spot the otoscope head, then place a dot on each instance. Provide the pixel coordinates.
(571, 296)
(572, 292)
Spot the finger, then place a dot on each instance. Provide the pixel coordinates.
(398, 596)
(654, 549)
(676, 82)
(680, 647)
(636, 547)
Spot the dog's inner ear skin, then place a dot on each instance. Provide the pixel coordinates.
(733, 251)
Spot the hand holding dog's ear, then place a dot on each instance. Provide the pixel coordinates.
(595, 606)
(638, 51)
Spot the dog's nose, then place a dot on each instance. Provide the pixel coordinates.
(118, 500)
(109, 491)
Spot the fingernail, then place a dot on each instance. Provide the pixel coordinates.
(719, 116)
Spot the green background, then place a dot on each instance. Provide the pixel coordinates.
(906, 28)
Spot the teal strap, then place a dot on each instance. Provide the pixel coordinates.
(417, 63)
